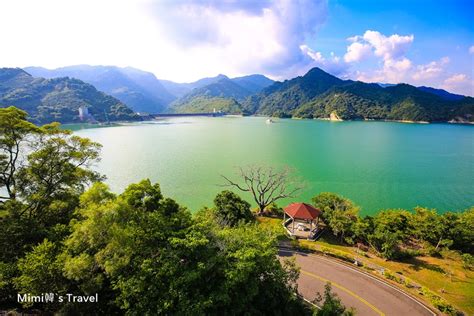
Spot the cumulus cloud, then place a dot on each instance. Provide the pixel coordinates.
(459, 83)
(246, 36)
(389, 47)
(332, 64)
(180, 40)
(471, 49)
(430, 70)
(357, 52)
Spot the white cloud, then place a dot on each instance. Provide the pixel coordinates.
(456, 79)
(316, 56)
(471, 49)
(178, 40)
(431, 70)
(333, 64)
(357, 52)
(391, 47)
(459, 83)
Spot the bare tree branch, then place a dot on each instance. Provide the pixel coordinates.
(266, 184)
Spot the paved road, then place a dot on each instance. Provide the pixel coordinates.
(367, 294)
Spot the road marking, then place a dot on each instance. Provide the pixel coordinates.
(360, 272)
(345, 290)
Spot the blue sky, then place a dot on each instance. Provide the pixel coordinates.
(420, 42)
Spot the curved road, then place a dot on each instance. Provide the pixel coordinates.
(367, 294)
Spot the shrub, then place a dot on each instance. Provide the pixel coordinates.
(467, 261)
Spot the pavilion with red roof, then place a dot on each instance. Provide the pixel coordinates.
(302, 214)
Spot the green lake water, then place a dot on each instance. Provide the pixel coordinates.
(378, 165)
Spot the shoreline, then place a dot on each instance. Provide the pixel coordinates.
(328, 119)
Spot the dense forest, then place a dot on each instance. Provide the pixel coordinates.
(203, 104)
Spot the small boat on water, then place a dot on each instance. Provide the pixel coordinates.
(269, 121)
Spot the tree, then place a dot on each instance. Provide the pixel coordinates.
(57, 169)
(462, 233)
(332, 305)
(339, 213)
(230, 209)
(149, 254)
(390, 228)
(266, 184)
(14, 131)
(427, 225)
(41, 272)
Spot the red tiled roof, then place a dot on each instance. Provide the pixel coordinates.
(302, 211)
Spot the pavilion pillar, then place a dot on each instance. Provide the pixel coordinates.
(293, 225)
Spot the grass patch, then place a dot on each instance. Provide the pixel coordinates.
(274, 224)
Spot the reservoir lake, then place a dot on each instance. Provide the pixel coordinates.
(378, 165)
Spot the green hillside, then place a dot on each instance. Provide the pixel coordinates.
(58, 99)
(318, 94)
(203, 104)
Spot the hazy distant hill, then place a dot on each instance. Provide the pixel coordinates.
(442, 93)
(251, 83)
(224, 88)
(318, 94)
(58, 99)
(208, 104)
(221, 87)
(181, 89)
(138, 89)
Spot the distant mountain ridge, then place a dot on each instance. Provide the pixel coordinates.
(140, 90)
(143, 92)
(58, 99)
(318, 94)
(442, 93)
(215, 89)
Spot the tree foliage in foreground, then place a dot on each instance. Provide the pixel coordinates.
(331, 304)
(150, 256)
(231, 209)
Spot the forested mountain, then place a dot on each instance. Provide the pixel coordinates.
(181, 89)
(253, 83)
(223, 94)
(285, 97)
(208, 104)
(139, 90)
(224, 88)
(442, 93)
(318, 94)
(58, 99)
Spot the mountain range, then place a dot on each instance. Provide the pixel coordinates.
(318, 94)
(57, 94)
(140, 90)
(58, 99)
(143, 92)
